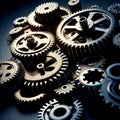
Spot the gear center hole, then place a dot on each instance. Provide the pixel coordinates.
(60, 112)
(115, 71)
(46, 8)
(20, 20)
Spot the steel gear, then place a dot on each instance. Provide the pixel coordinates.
(110, 93)
(47, 12)
(115, 9)
(34, 25)
(11, 76)
(53, 110)
(74, 5)
(27, 101)
(90, 81)
(20, 22)
(74, 34)
(113, 71)
(32, 46)
(49, 74)
(116, 41)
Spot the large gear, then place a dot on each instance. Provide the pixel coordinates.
(20, 22)
(49, 74)
(53, 110)
(74, 34)
(47, 12)
(11, 76)
(32, 46)
(110, 91)
(27, 101)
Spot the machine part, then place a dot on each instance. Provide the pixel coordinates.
(95, 6)
(32, 46)
(64, 12)
(90, 82)
(20, 22)
(29, 102)
(53, 110)
(75, 5)
(116, 41)
(15, 32)
(113, 71)
(34, 25)
(115, 9)
(11, 76)
(49, 74)
(110, 91)
(74, 34)
(47, 13)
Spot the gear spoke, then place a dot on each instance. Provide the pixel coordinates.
(72, 38)
(100, 20)
(91, 14)
(101, 29)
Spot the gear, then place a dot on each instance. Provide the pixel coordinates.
(116, 41)
(14, 33)
(49, 74)
(32, 46)
(90, 81)
(11, 76)
(47, 12)
(56, 111)
(113, 71)
(74, 5)
(74, 34)
(27, 101)
(20, 22)
(115, 9)
(110, 91)
(34, 25)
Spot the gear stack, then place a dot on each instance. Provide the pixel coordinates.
(62, 62)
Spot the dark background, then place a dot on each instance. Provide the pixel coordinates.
(11, 10)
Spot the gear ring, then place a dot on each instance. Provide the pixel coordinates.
(11, 76)
(49, 74)
(74, 34)
(21, 21)
(32, 46)
(56, 111)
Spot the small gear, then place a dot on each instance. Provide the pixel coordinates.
(116, 41)
(90, 82)
(75, 38)
(11, 76)
(27, 101)
(113, 71)
(110, 91)
(49, 74)
(34, 25)
(74, 5)
(20, 22)
(47, 12)
(53, 110)
(32, 46)
(115, 9)
(14, 33)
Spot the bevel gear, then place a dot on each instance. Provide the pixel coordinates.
(11, 76)
(32, 46)
(20, 22)
(115, 9)
(34, 25)
(27, 101)
(53, 110)
(49, 74)
(110, 91)
(75, 36)
(47, 12)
